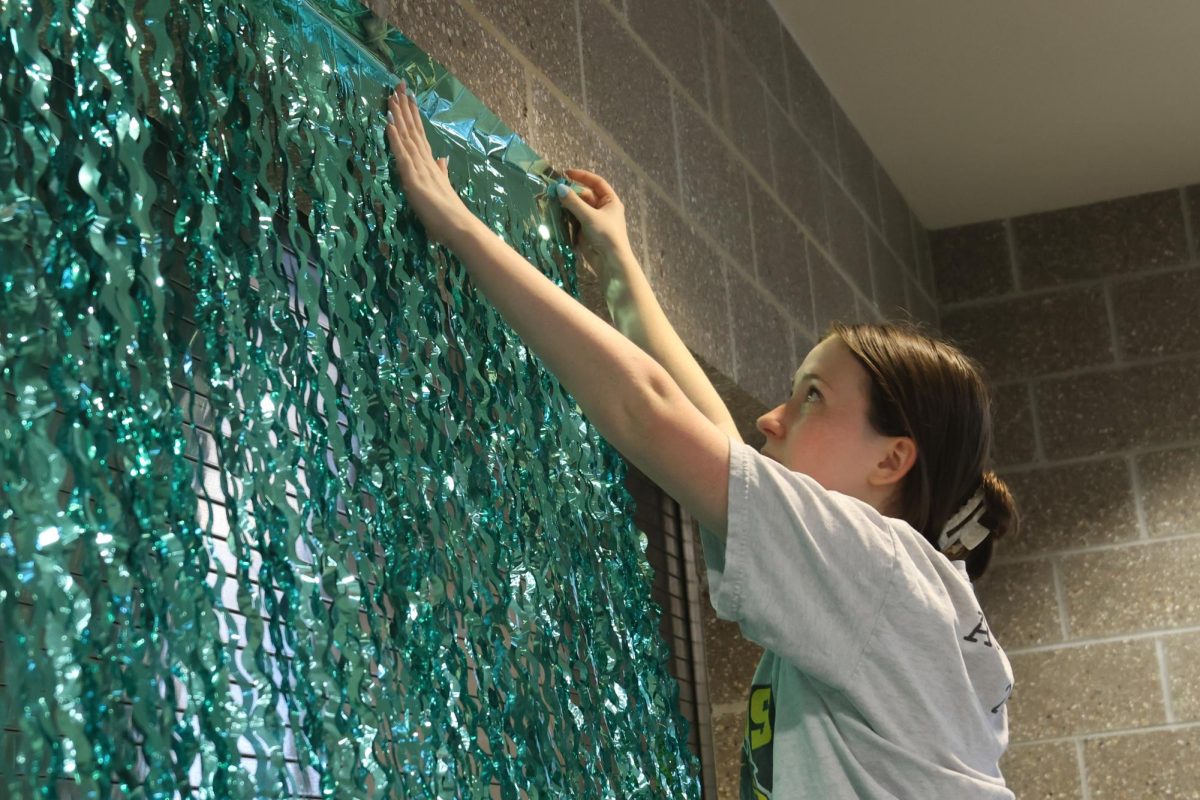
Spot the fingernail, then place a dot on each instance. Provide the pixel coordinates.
(409, 92)
(562, 190)
(391, 119)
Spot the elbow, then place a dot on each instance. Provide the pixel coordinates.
(634, 405)
(647, 408)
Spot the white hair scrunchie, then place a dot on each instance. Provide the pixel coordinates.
(964, 527)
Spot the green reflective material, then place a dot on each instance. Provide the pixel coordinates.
(285, 508)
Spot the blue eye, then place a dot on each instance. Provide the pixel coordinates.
(812, 390)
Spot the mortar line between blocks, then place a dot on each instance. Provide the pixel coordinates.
(1117, 638)
(1139, 506)
(579, 55)
(1039, 452)
(1188, 233)
(1011, 241)
(1110, 312)
(1014, 468)
(1072, 286)
(1104, 368)
(1110, 734)
(812, 285)
(1081, 763)
(734, 366)
(1096, 548)
(672, 99)
(752, 210)
(1060, 598)
(1160, 651)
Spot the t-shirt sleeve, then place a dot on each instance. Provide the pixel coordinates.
(803, 571)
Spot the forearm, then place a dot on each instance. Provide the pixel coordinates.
(637, 314)
(621, 388)
(612, 379)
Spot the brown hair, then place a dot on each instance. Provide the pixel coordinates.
(928, 389)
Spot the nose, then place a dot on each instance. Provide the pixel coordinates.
(770, 423)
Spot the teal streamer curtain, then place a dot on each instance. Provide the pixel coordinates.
(287, 509)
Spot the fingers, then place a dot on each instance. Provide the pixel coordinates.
(592, 181)
(409, 102)
(403, 109)
(589, 196)
(573, 202)
(399, 152)
(406, 134)
(399, 122)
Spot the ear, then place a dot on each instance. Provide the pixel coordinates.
(899, 455)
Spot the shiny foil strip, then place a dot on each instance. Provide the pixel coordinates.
(287, 509)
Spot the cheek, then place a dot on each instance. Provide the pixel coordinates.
(814, 444)
(829, 448)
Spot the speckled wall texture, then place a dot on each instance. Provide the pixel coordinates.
(1089, 321)
(759, 212)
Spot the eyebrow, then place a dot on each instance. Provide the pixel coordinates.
(801, 378)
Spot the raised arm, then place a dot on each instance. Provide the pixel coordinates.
(604, 242)
(627, 395)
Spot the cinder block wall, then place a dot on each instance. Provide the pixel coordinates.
(760, 214)
(1089, 321)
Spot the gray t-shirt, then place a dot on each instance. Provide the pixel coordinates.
(880, 677)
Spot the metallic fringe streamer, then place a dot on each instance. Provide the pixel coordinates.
(287, 509)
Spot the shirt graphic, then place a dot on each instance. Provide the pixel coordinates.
(758, 745)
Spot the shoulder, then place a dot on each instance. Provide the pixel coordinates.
(933, 599)
(763, 491)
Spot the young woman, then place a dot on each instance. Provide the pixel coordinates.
(844, 548)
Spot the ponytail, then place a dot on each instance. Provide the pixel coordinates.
(1000, 517)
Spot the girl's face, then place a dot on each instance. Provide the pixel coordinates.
(823, 429)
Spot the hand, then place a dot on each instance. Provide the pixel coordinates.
(603, 235)
(425, 180)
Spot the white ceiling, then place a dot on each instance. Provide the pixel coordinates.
(980, 110)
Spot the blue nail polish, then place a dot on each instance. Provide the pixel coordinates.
(561, 189)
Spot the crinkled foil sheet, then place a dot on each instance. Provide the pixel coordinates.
(287, 509)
